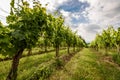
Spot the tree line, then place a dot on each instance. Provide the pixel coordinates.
(108, 39)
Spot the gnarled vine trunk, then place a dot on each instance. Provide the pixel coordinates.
(29, 52)
(106, 51)
(45, 48)
(118, 50)
(73, 48)
(14, 67)
(57, 52)
(68, 49)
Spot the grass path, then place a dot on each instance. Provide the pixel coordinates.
(87, 65)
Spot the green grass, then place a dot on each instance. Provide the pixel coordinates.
(87, 65)
(28, 65)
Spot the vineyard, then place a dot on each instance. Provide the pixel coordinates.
(37, 45)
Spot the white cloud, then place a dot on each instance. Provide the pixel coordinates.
(67, 17)
(76, 15)
(4, 10)
(52, 4)
(103, 12)
(82, 0)
(88, 31)
(100, 13)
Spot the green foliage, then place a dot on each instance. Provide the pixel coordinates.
(26, 24)
(117, 37)
(108, 39)
(5, 44)
(68, 36)
(108, 36)
(58, 35)
(74, 40)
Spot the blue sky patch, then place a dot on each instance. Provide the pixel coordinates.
(74, 6)
(81, 19)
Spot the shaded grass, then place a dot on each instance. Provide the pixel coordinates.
(27, 65)
(87, 65)
(35, 51)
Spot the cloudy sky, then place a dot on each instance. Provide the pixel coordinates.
(88, 17)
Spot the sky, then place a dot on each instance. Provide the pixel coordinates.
(88, 17)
